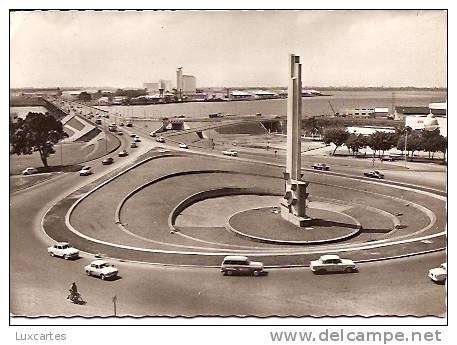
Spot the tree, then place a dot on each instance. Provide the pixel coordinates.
(431, 141)
(37, 132)
(381, 141)
(414, 142)
(355, 142)
(337, 136)
(442, 145)
(84, 96)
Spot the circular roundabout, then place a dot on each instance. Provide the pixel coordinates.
(188, 209)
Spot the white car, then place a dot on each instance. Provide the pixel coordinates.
(102, 269)
(183, 146)
(333, 263)
(230, 152)
(85, 171)
(29, 171)
(438, 274)
(64, 250)
(153, 134)
(137, 139)
(160, 139)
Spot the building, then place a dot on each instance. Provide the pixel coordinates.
(358, 112)
(189, 84)
(151, 87)
(262, 94)
(382, 113)
(436, 117)
(401, 112)
(165, 85)
(368, 130)
(185, 84)
(240, 95)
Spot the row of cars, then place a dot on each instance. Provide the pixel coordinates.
(330, 263)
(371, 174)
(234, 265)
(97, 268)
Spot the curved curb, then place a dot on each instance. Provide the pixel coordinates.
(238, 233)
(377, 244)
(77, 202)
(212, 193)
(117, 214)
(17, 191)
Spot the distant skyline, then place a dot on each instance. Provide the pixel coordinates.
(228, 48)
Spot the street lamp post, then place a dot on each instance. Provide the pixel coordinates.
(406, 130)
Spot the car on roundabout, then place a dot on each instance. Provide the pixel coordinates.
(132, 135)
(101, 269)
(321, 166)
(108, 161)
(160, 139)
(374, 174)
(152, 134)
(85, 171)
(63, 250)
(230, 152)
(123, 153)
(29, 171)
(332, 264)
(137, 139)
(183, 146)
(240, 265)
(438, 274)
(133, 145)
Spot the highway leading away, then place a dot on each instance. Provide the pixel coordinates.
(39, 283)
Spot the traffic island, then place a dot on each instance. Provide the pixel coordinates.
(267, 226)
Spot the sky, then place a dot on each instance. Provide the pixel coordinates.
(228, 48)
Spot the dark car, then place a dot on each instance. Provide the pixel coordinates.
(321, 166)
(374, 174)
(108, 161)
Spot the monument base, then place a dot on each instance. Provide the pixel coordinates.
(294, 219)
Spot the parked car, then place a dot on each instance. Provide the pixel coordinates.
(332, 263)
(121, 124)
(133, 145)
(160, 139)
(98, 121)
(236, 264)
(230, 152)
(123, 153)
(438, 274)
(29, 171)
(129, 124)
(387, 158)
(64, 250)
(321, 166)
(133, 135)
(102, 269)
(137, 139)
(374, 174)
(183, 146)
(120, 133)
(153, 134)
(108, 161)
(85, 171)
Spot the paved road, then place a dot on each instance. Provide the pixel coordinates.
(39, 283)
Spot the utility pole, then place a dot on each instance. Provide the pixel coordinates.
(406, 130)
(114, 305)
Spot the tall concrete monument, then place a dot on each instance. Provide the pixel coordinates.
(293, 205)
